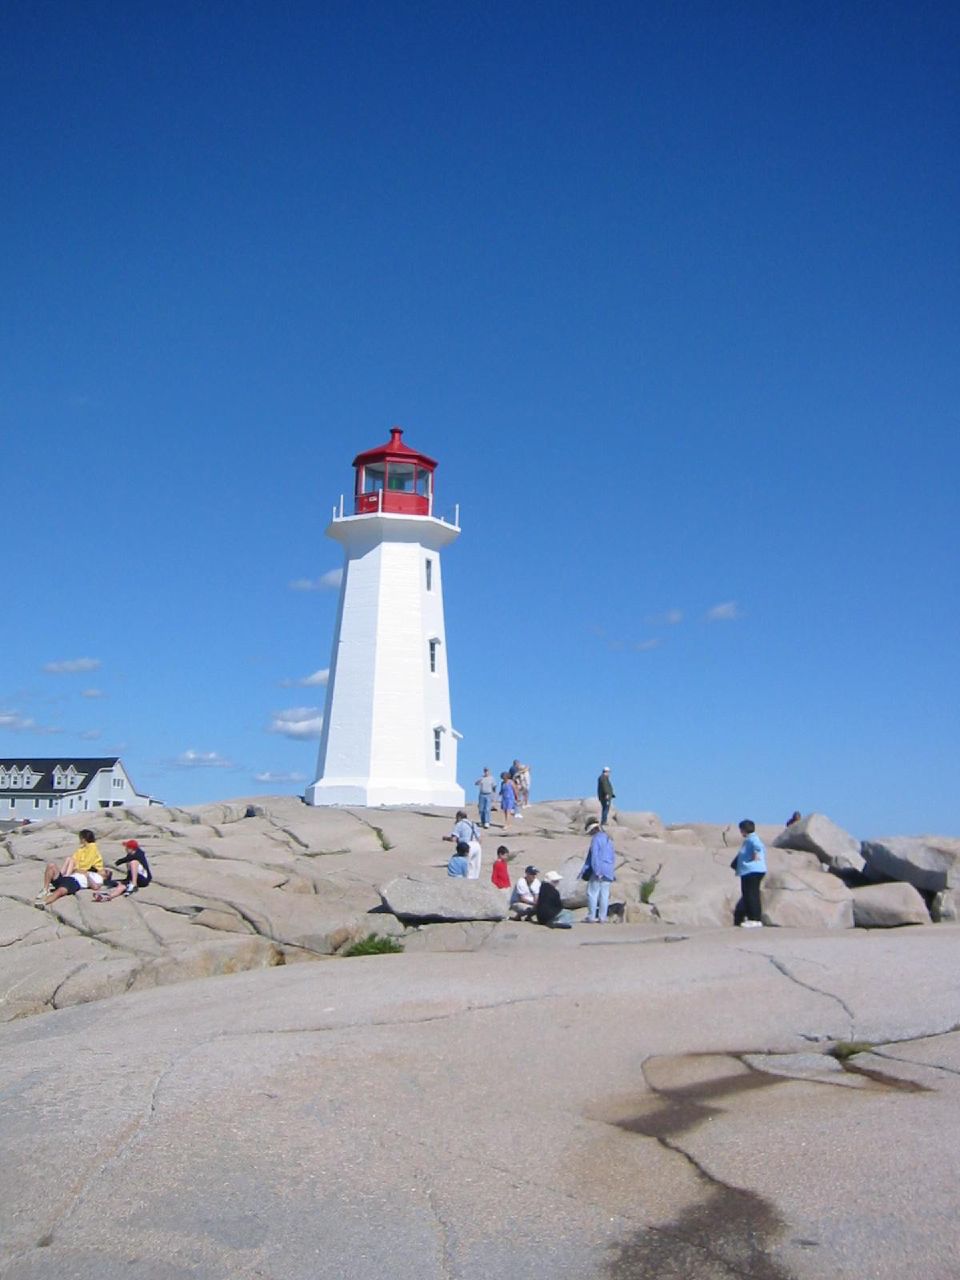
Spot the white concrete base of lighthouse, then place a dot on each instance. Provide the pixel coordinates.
(368, 794)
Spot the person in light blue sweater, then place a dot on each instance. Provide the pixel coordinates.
(751, 867)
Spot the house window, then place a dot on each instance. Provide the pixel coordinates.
(436, 743)
(36, 804)
(434, 646)
(429, 566)
(49, 804)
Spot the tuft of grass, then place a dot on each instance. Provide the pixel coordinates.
(845, 1049)
(375, 944)
(648, 886)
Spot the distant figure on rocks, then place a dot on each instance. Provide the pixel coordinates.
(550, 909)
(605, 794)
(138, 876)
(599, 872)
(466, 831)
(523, 900)
(521, 781)
(750, 865)
(82, 870)
(459, 863)
(508, 799)
(486, 789)
(500, 875)
(794, 817)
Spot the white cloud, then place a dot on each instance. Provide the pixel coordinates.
(279, 777)
(318, 677)
(91, 693)
(191, 759)
(729, 611)
(644, 646)
(69, 665)
(89, 735)
(671, 618)
(326, 582)
(14, 720)
(297, 722)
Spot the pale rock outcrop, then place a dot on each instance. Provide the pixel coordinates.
(815, 833)
(929, 863)
(799, 897)
(887, 906)
(421, 899)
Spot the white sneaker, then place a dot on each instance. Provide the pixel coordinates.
(751, 924)
(42, 895)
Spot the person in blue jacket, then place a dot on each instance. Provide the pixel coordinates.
(598, 871)
(751, 867)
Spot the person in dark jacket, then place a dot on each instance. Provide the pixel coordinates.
(550, 909)
(605, 794)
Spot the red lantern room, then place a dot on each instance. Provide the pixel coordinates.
(395, 478)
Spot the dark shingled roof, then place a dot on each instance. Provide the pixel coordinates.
(86, 766)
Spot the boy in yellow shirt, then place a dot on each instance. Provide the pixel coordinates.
(82, 870)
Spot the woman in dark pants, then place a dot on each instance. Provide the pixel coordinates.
(751, 867)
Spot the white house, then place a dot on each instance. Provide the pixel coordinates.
(52, 788)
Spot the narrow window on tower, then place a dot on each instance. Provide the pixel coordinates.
(429, 565)
(434, 645)
(436, 744)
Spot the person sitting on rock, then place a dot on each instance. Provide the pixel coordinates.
(523, 900)
(459, 864)
(550, 909)
(82, 870)
(138, 876)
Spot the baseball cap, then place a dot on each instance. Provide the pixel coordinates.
(130, 844)
(531, 871)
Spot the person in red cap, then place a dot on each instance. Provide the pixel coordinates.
(139, 874)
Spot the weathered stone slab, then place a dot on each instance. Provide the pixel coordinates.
(887, 906)
(816, 834)
(800, 898)
(416, 898)
(927, 862)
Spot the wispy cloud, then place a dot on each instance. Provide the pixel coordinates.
(191, 759)
(14, 720)
(728, 611)
(69, 665)
(297, 722)
(92, 693)
(644, 646)
(326, 582)
(671, 618)
(279, 777)
(90, 735)
(318, 677)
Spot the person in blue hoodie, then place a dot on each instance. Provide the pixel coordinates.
(751, 867)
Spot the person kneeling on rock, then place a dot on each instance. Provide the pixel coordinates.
(550, 909)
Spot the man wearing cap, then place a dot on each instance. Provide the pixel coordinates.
(139, 874)
(523, 900)
(550, 909)
(605, 794)
(598, 871)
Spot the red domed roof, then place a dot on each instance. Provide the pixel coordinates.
(396, 450)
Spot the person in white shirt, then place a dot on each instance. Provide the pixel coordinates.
(523, 899)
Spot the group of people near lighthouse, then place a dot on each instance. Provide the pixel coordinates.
(85, 869)
(513, 790)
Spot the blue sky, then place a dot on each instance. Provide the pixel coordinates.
(670, 290)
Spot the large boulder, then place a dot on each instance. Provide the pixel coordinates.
(887, 906)
(815, 833)
(800, 898)
(929, 863)
(420, 899)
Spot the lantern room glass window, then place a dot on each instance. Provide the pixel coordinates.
(423, 482)
(401, 476)
(373, 477)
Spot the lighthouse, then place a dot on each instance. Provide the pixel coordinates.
(387, 736)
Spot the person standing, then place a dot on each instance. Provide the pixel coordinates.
(751, 867)
(486, 786)
(599, 872)
(500, 876)
(508, 799)
(605, 794)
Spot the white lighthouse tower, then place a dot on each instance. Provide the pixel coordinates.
(387, 736)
